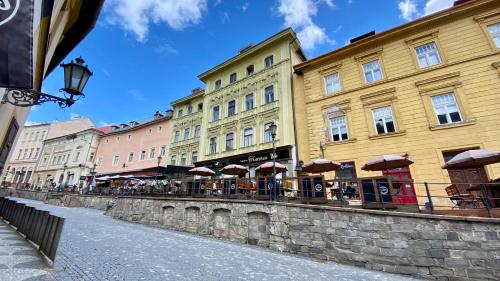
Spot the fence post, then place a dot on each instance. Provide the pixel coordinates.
(486, 200)
(429, 198)
(341, 192)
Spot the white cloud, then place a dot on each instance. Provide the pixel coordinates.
(31, 123)
(433, 6)
(217, 2)
(226, 17)
(104, 124)
(166, 49)
(349, 2)
(329, 3)
(34, 108)
(136, 95)
(408, 10)
(299, 15)
(106, 72)
(245, 6)
(74, 116)
(136, 16)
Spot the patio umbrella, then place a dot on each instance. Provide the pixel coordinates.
(234, 169)
(201, 171)
(386, 162)
(268, 168)
(320, 166)
(105, 178)
(473, 158)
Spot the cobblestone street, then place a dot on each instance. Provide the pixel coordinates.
(96, 247)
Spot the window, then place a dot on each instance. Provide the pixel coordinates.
(213, 145)
(446, 109)
(37, 152)
(152, 153)
(116, 159)
(215, 113)
(31, 153)
(77, 156)
(91, 156)
(44, 161)
(150, 131)
(250, 70)
(232, 78)
(172, 160)
(338, 126)
(230, 141)
(19, 153)
(194, 157)
(25, 154)
(163, 150)
(37, 135)
(267, 132)
(372, 71)
(218, 84)
(200, 107)
(231, 108)
(427, 55)
(129, 137)
(269, 94)
(269, 61)
(117, 139)
(494, 30)
(248, 137)
(179, 114)
(183, 159)
(332, 83)
(43, 135)
(249, 101)
(160, 128)
(187, 131)
(384, 122)
(107, 141)
(143, 154)
(190, 109)
(197, 130)
(177, 134)
(130, 157)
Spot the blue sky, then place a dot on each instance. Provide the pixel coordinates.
(145, 54)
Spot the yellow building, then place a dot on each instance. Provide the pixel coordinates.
(243, 96)
(429, 89)
(186, 130)
(57, 29)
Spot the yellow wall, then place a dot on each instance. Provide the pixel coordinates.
(469, 69)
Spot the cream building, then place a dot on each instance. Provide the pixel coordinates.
(186, 130)
(22, 163)
(64, 159)
(57, 29)
(243, 96)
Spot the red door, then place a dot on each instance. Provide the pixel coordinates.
(402, 185)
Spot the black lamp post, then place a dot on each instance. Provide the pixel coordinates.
(157, 170)
(76, 76)
(272, 130)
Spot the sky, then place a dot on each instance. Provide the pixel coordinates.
(146, 54)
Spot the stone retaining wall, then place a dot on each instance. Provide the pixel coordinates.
(432, 247)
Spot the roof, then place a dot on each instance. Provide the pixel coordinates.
(187, 98)
(288, 32)
(140, 124)
(105, 129)
(459, 7)
(77, 133)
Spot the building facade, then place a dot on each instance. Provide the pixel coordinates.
(186, 129)
(58, 26)
(134, 147)
(66, 159)
(243, 96)
(428, 89)
(27, 151)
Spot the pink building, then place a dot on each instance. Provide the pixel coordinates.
(134, 147)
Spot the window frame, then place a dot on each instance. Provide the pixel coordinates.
(246, 101)
(233, 78)
(188, 131)
(252, 67)
(448, 117)
(212, 144)
(232, 147)
(245, 144)
(152, 152)
(130, 157)
(218, 84)
(382, 72)
(330, 127)
(197, 131)
(492, 39)
(193, 157)
(265, 94)
(326, 84)
(115, 160)
(177, 135)
(233, 108)
(218, 113)
(384, 121)
(272, 61)
(142, 155)
(440, 61)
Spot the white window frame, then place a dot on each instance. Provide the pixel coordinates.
(265, 61)
(163, 150)
(250, 142)
(430, 48)
(265, 94)
(152, 152)
(183, 159)
(384, 120)
(173, 160)
(142, 155)
(229, 148)
(335, 83)
(218, 113)
(188, 131)
(445, 107)
(495, 34)
(116, 160)
(177, 135)
(193, 158)
(214, 150)
(130, 157)
(253, 101)
(197, 131)
(372, 72)
(234, 108)
(267, 132)
(338, 127)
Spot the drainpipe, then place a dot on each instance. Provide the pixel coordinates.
(293, 102)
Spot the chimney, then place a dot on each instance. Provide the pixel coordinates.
(460, 2)
(158, 115)
(366, 35)
(196, 90)
(123, 126)
(133, 123)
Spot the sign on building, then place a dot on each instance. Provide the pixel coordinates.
(16, 34)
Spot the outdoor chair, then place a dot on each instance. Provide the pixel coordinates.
(461, 200)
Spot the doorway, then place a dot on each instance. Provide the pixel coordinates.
(402, 185)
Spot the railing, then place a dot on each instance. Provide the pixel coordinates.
(40, 227)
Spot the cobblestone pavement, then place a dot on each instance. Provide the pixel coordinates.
(96, 247)
(18, 259)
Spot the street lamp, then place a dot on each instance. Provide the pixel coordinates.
(76, 76)
(157, 170)
(272, 131)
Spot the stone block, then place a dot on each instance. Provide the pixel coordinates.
(440, 271)
(482, 274)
